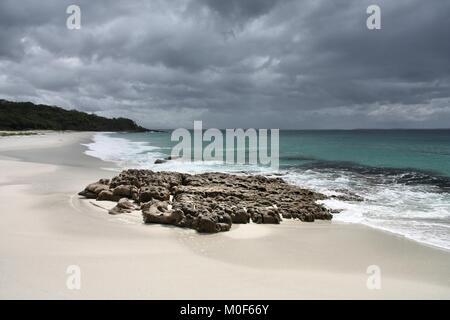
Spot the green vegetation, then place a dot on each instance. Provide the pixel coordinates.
(28, 116)
(17, 133)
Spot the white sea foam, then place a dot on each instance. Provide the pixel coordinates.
(418, 212)
(141, 155)
(125, 153)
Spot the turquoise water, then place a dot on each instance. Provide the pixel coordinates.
(418, 149)
(402, 175)
(423, 150)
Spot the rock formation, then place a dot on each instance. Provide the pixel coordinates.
(209, 202)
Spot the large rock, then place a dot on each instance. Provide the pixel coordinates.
(93, 189)
(209, 202)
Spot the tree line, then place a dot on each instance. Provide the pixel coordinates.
(29, 116)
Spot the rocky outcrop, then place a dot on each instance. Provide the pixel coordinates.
(209, 202)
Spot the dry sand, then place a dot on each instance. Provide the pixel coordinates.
(45, 227)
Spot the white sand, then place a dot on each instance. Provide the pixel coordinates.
(45, 228)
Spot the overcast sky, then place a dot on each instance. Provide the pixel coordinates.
(235, 63)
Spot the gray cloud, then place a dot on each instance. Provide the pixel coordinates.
(266, 63)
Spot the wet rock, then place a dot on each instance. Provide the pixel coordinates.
(347, 196)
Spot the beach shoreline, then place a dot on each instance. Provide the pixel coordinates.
(47, 227)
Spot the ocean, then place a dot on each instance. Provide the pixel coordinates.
(402, 176)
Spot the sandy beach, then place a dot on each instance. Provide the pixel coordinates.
(46, 227)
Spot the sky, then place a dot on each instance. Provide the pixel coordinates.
(297, 64)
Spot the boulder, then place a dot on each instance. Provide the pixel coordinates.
(268, 215)
(307, 217)
(157, 213)
(123, 206)
(107, 195)
(208, 223)
(92, 190)
(240, 216)
(97, 187)
(124, 191)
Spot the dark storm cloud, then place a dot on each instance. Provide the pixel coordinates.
(241, 10)
(252, 63)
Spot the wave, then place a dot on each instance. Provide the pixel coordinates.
(406, 176)
(129, 154)
(121, 151)
(419, 212)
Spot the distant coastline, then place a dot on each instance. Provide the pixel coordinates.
(23, 116)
